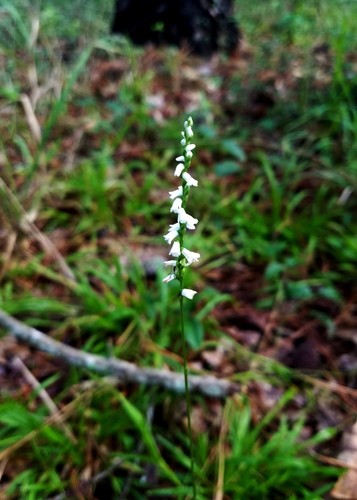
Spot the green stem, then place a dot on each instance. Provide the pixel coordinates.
(187, 394)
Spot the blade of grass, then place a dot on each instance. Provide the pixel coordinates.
(141, 425)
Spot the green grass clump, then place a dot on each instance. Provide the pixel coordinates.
(253, 460)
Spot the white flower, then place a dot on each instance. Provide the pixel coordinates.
(170, 236)
(185, 218)
(175, 250)
(189, 131)
(190, 256)
(169, 278)
(188, 293)
(189, 179)
(176, 193)
(185, 221)
(175, 227)
(169, 263)
(176, 206)
(179, 169)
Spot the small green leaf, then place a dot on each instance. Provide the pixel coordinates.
(143, 428)
(231, 146)
(227, 167)
(194, 333)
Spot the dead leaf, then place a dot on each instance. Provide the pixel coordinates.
(346, 486)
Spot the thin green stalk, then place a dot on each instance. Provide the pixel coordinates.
(187, 394)
(182, 256)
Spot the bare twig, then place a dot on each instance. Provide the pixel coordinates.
(19, 220)
(335, 462)
(125, 371)
(20, 366)
(66, 411)
(31, 118)
(219, 490)
(329, 385)
(9, 248)
(3, 464)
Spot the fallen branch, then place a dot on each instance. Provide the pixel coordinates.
(125, 371)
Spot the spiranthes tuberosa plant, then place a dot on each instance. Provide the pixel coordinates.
(182, 257)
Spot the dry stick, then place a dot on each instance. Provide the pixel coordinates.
(31, 117)
(17, 217)
(329, 385)
(219, 489)
(20, 366)
(336, 462)
(9, 248)
(124, 370)
(3, 464)
(66, 411)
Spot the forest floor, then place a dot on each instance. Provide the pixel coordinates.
(90, 131)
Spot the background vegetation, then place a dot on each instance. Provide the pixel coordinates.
(89, 132)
